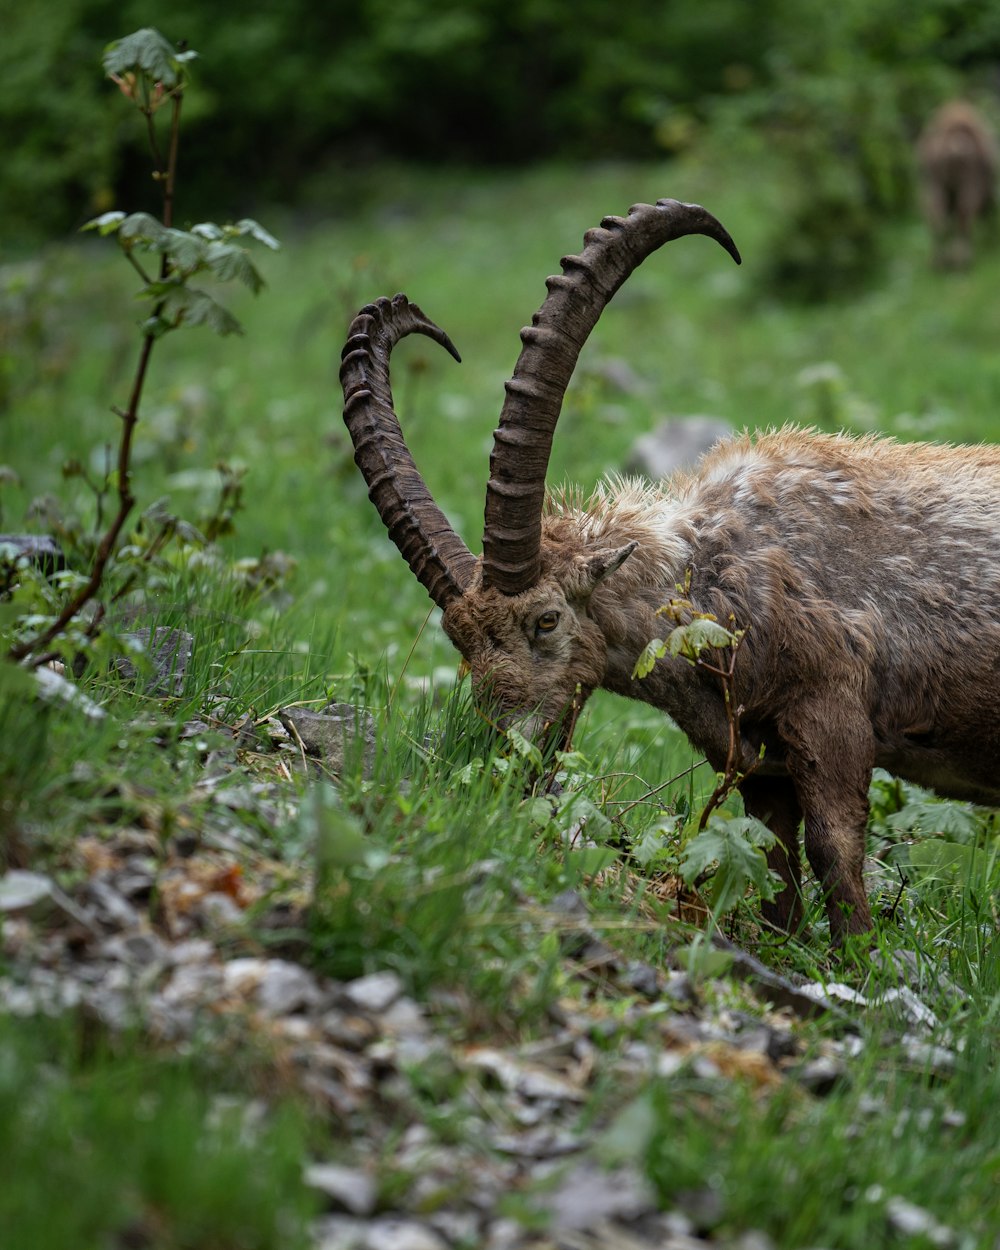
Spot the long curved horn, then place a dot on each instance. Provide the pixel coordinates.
(439, 559)
(552, 343)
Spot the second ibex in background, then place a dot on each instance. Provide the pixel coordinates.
(957, 159)
(866, 574)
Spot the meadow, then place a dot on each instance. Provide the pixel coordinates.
(304, 600)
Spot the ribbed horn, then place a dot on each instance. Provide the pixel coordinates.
(552, 344)
(439, 559)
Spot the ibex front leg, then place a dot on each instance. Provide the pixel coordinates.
(830, 755)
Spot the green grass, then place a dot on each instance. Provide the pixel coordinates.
(915, 356)
(826, 1172)
(103, 1146)
(438, 866)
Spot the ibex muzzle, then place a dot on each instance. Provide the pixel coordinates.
(865, 572)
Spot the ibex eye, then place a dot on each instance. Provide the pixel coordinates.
(546, 623)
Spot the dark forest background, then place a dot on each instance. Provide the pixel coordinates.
(296, 101)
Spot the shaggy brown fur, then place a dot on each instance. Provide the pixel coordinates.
(957, 158)
(867, 574)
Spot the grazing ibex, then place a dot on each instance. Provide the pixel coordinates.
(957, 158)
(866, 574)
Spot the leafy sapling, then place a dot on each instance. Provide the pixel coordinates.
(730, 850)
(700, 639)
(153, 76)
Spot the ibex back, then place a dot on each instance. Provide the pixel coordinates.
(865, 572)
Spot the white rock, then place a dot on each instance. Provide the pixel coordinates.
(192, 951)
(375, 992)
(192, 984)
(24, 891)
(912, 1008)
(676, 443)
(588, 1194)
(37, 897)
(402, 1234)
(338, 1232)
(219, 911)
(910, 1220)
(278, 986)
(286, 988)
(353, 1189)
(56, 689)
(405, 1018)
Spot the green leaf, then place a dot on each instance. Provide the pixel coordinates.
(630, 1134)
(467, 775)
(654, 650)
(192, 307)
(706, 962)
(340, 839)
(158, 290)
(955, 821)
(229, 260)
(576, 810)
(587, 861)
(690, 640)
(539, 810)
(155, 327)
(525, 748)
(141, 228)
(184, 250)
(938, 860)
(208, 230)
(735, 845)
(247, 225)
(147, 51)
(952, 866)
(14, 680)
(657, 841)
(107, 223)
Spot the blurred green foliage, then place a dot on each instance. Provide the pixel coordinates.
(847, 94)
(324, 89)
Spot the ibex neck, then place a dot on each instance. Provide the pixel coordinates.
(625, 606)
(621, 512)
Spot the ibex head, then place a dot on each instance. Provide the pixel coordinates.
(519, 613)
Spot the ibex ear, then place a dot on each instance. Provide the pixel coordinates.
(603, 563)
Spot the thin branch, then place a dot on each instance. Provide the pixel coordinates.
(685, 772)
(154, 146)
(168, 193)
(890, 912)
(130, 257)
(129, 417)
(732, 774)
(106, 546)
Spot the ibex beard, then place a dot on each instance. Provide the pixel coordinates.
(866, 574)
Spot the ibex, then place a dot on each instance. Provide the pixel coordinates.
(957, 159)
(866, 574)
